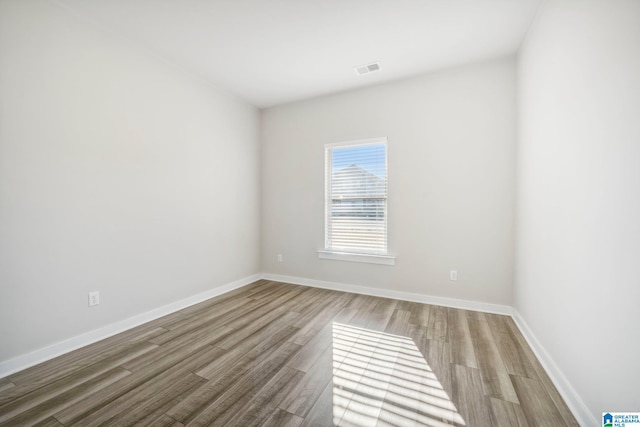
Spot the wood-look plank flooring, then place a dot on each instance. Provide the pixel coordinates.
(275, 354)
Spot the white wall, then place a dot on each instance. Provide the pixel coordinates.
(451, 181)
(578, 235)
(118, 173)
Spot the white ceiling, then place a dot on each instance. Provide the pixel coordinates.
(275, 51)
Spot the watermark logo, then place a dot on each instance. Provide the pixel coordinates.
(621, 419)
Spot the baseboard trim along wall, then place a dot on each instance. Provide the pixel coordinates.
(566, 390)
(25, 361)
(387, 293)
(573, 400)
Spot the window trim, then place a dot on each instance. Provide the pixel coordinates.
(357, 257)
(384, 258)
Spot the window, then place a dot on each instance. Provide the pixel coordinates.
(356, 201)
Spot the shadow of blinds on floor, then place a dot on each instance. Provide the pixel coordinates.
(383, 379)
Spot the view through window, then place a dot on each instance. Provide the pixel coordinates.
(356, 196)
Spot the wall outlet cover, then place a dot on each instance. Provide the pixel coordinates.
(94, 298)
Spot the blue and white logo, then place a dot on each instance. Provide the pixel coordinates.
(621, 419)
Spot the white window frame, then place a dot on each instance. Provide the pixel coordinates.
(374, 257)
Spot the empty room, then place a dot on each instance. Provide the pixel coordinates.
(319, 212)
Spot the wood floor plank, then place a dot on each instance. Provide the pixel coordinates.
(230, 372)
(94, 403)
(277, 354)
(495, 378)
(222, 309)
(437, 327)
(364, 387)
(62, 366)
(420, 314)
(315, 298)
(399, 323)
(315, 346)
(222, 381)
(162, 421)
(282, 418)
(514, 356)
(223, 408)
(438, 359)
(206, 319)
(414, 395)
(315, 323)
(5, 384)
(380, 314)
(264, 403)
(260, 328)
(144, 405)
(174, 319)
(310, 309)
(286, 295)
(311, 352)
(460, 343)
(507, 414)
(177, 377)
(364, 304)
(178, 348)
(542, 376)
(268, 309)
(475, 316)
(437, 356)
(65, 399)
(468, 396)
(358, 301)
(40, 395)
(303, 395)
(218, 315)
(49, 422)
(325, 411)
(538, 407)
(271, 291)
(252, 350)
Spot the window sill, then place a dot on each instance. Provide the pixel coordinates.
(367, 258)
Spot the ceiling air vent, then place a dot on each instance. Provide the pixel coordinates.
(366, 69)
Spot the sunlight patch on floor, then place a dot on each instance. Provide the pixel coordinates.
(383, 379)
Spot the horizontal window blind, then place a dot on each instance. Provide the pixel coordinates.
(356, 197)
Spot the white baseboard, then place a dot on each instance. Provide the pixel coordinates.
(566, 390)
(42, 355)
(387, 293)
(568, 393)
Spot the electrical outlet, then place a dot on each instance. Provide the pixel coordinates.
(94, 298)
(279, 257)
(453, 275)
